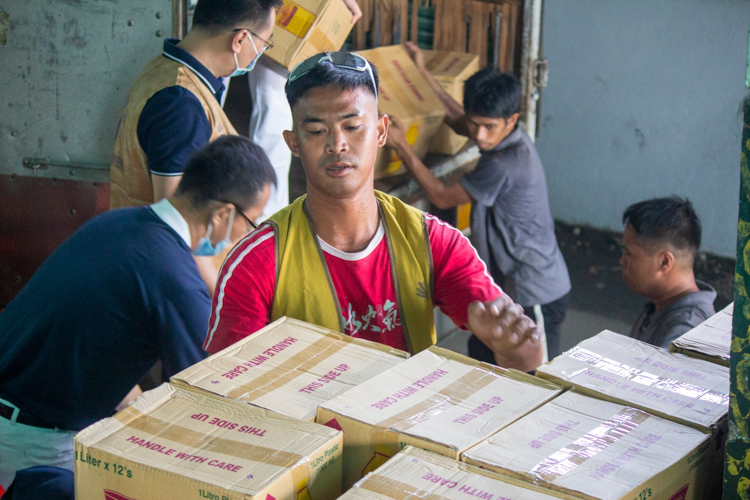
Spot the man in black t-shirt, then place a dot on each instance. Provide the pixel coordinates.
(121, 293)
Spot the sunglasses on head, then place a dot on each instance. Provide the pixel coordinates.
(344, 60)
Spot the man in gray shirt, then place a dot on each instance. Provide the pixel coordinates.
(511, 225)
(661, 240)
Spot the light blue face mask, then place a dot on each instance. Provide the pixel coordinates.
(204, 248)
(241, 71)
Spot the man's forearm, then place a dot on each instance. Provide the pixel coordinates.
(432, 186)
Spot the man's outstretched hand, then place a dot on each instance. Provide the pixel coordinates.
(512, 337)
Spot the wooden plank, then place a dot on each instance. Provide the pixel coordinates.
(414, 31)
(512, 38)
(478, 13)
(404, 20)
(504, 31)
(450, 25)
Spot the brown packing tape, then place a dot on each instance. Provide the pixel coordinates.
(438, 60)
(290, 369)
(590, 444)
(396, 489)
(200, 441)
(320, 41)
(455, 393)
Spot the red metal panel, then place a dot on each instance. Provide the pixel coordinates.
(36, 215)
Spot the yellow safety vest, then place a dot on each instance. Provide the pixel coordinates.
(129, 175)
(305, 291)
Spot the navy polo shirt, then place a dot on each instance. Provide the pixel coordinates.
(173, 124)
(118, 295)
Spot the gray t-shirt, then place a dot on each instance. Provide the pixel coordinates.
(661, 328)
(511, 224)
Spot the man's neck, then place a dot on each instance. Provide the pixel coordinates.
(203, 47)
(347, 224)
(196, 221)
(675, 290)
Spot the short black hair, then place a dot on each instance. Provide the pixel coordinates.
(231, 169)
(215, 15)
(492, 94)
(326, 74)
(669, 220)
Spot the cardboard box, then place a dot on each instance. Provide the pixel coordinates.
(307, 27)
(451, 70)
(711, 340)
(172, 444)
(405, 94)
(437, 400)
(415, 473)
(594, 449)
(617, 368)
(290, 367)
(676, 387)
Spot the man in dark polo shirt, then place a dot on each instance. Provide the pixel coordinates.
(174, 106)
(120, 294)
(511, 224)
(661, 241)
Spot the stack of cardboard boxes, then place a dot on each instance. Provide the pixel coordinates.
(688, 391)
(711, 340)
(639, 422)
(437, 400)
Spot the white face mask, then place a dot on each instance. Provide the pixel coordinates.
(241, 71)
(204, 248)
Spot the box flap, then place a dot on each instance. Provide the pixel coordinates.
(290, 367)
(415, 473)
(712, 338)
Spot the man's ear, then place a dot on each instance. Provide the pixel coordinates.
(221, 212)
(292, 141)
(238, 39)
(512, 121)
(666, 261)
(383, 124)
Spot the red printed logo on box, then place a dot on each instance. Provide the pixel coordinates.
(682, 494)
(113, 495)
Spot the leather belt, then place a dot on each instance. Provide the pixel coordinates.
(23, 417)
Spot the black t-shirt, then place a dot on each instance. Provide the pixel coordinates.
(118, 295)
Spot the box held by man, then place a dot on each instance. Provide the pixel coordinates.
(405, 94)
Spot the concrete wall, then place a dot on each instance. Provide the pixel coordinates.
(642, 101)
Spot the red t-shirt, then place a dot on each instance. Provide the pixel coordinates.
(363, 282)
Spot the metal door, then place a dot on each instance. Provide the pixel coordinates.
(65, 70)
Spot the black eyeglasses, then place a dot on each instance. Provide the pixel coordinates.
(252, 224)
(267, 44)
(344, 60)
(239, 211)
